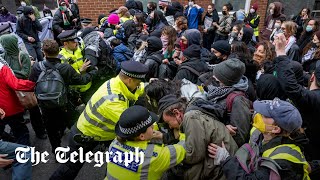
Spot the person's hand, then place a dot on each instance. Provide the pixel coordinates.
(197, 6)
(32, 17)
(157, 135)
(205, 30)
(85, 66)
(176, 133)
(32, 63)
(5, 162)
(186, 6)
(153, 79)
(305, 17)
(31, 39)
(74, 20)
(177, 61)
(218, 153)
(232, 130)
(118, 26)
(215, 24)
(2, 113)
(165, 61)
(280, 44)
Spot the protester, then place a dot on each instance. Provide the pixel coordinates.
(193, 13)
(6, 16)
(223, 28)
(308, 33)
(253, 20)
(301, 20)
(181, 25)
(154, 56)
(311, 54)
(210, 17)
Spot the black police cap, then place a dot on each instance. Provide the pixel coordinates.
(86, 21)
(68, 35)
(134, 69)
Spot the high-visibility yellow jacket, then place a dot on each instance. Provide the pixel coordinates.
(76, 60)
(103, 111)
(157, 160)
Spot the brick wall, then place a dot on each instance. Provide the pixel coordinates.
(93, 8)
(263, 6)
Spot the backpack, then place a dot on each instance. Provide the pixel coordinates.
(92, 41)
(50, 88)
(249, 160)
(201, 76)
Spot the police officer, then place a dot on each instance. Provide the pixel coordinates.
(134, 130)
(97, 122)
(71, 53)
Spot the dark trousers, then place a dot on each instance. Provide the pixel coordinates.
(208, 39)
(18, 127)
(70, 170)
(36, 121)
(34, 49)
(55, 123)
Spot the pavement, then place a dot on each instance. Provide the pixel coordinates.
(43, 171)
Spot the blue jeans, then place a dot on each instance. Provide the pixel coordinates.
(19, 170)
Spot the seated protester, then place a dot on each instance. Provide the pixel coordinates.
(113, 23)
(234, 35)
(199, 121)
(221, 50)
(47, 12)
(292, 49)
(11, 104)
(140, 51)
(306, 100)
(308, 33)
(280, 147)
(311, 54)
(277, 28)
(135, 130)
(231, 95)
(124, 14)
(6, 16)
(120, 52)
(55, 118)
(263, 56)
(156, 21)
(192, 66)
(168, 67)
(181, 25)
(154, 57)
(151, 6)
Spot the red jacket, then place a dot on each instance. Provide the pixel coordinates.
(9, 101)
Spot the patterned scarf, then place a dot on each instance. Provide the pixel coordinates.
(216, 93)
(64, 15)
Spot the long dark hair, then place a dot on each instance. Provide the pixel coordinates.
(316, 24)
(141, 21)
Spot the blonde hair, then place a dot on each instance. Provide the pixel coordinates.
(291, 27)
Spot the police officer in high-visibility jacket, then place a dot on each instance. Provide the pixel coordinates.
(134, 130)
(71, 53)
(253, 20)
(97, 122)
(279, 123)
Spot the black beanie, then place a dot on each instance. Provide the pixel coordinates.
(192, 51)
(222, 46)
(154, 44)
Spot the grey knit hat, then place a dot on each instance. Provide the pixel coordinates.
(229, 72)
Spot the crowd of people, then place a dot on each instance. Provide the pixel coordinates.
(204, 96)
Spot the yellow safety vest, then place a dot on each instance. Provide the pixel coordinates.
(255, 30)
(76, 62)
(124, 19)
(103, 111)
(289, 152)
(157, 160)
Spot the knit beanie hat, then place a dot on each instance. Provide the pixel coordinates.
(255, 6)
(113, 19)
(222, 46)
(229, 72)
(192, 51)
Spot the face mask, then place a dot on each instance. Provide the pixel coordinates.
(252, 11)
(23, 4)
(47, 15)
(183, 46)
(271, 11)
(233, 34)
(277, 25)
(259, 123)
(149, 10)
(191, 4)
(224, 12)
(309, 28)
(239, 38)
(161, 7)
(63, 8)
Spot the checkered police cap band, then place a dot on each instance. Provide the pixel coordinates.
(138, 76)
(135, 129)
(69, 38)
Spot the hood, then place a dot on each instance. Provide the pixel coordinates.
(193, 36)
(242, 85)
(28, 10)
(193, 51)
(268, 87)
(154, 44)
(247, 35)
(207, 107)
(277, 9)
(9, 43)
(159, 17)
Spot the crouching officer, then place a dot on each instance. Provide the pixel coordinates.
(71, 53)
(134, 130)
(97, 122)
